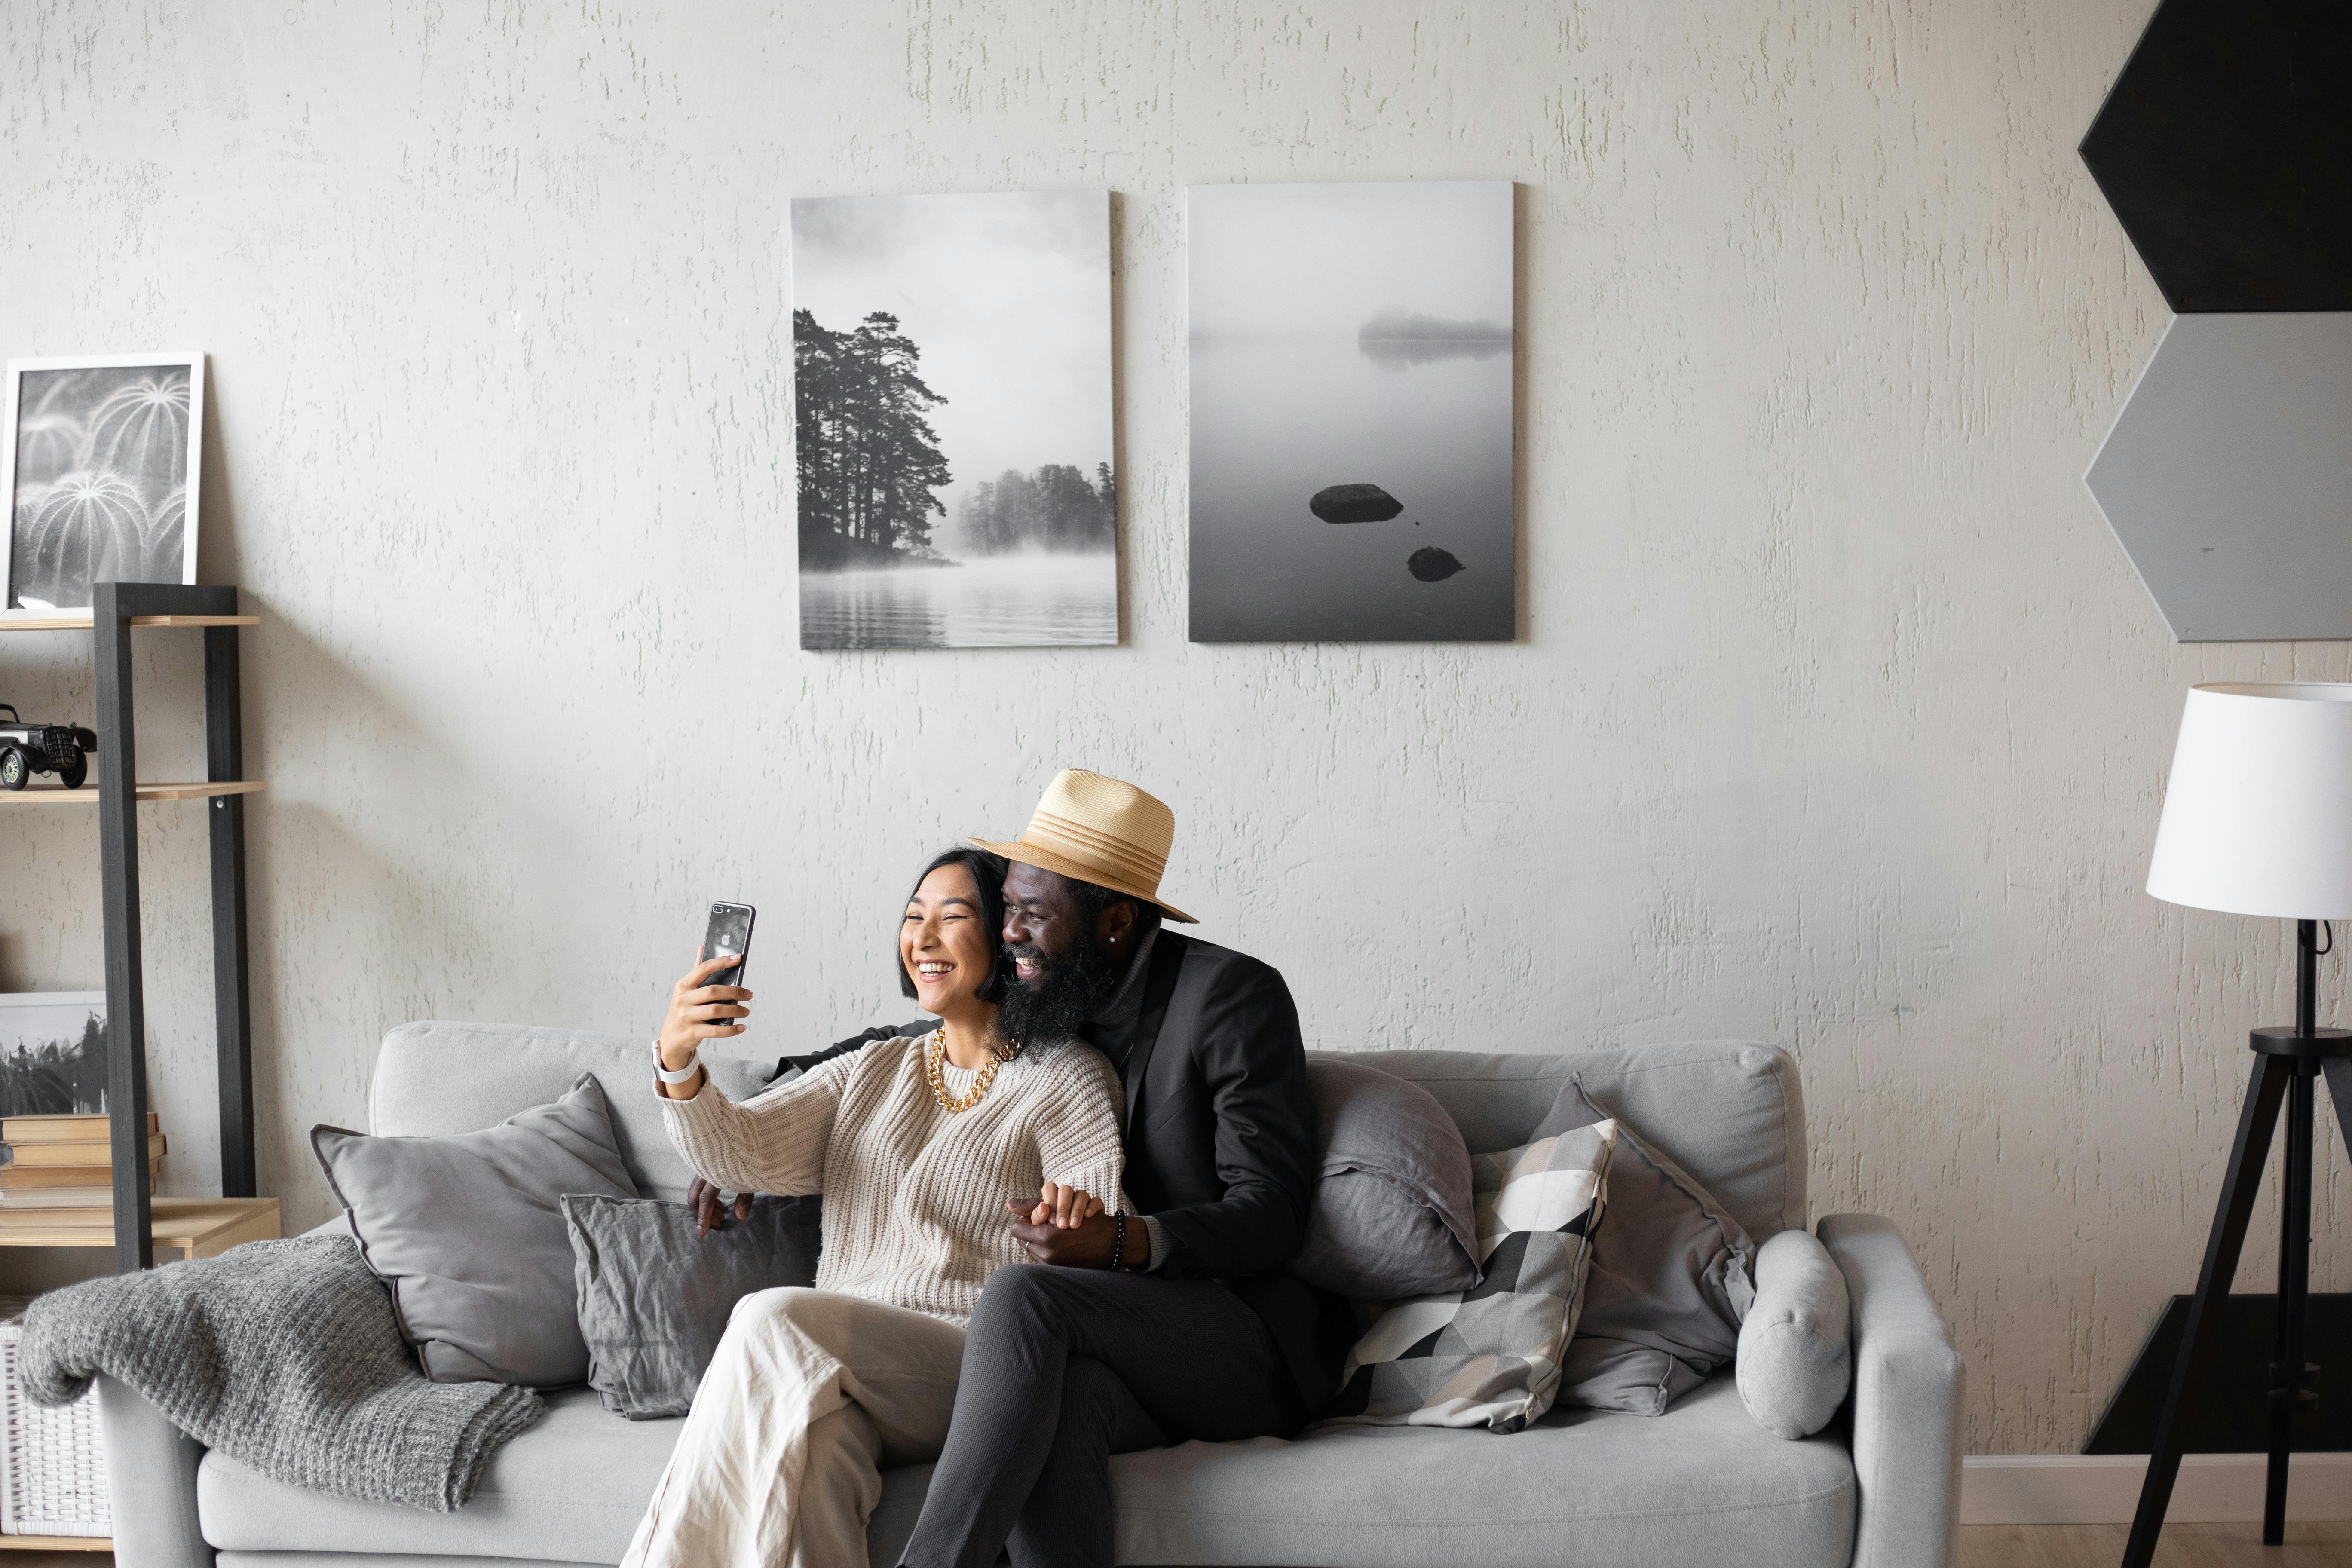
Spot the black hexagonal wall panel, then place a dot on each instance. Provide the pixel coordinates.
(2225, 147)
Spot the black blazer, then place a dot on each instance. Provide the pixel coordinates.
(1221, 1145)
(1220, 1141)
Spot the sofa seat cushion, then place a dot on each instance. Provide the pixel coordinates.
(570, 1488)
(1701, 1483)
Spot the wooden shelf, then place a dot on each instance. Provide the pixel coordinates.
(194, 1228)
(56, 1543)
(218, 611)
(88, 793)
(82, 621)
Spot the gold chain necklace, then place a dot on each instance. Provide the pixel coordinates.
(935, 1050)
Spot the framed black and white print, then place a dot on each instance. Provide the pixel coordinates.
(100, 468)
(1352, 419)
(52, 1053)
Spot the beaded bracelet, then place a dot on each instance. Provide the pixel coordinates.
(1117, 1239)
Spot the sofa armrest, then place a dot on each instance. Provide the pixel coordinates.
(1905, 1405)
(151, 1483)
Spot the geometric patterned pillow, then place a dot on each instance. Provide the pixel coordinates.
(1490, 1356)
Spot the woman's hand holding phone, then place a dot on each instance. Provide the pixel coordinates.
(699, 1011)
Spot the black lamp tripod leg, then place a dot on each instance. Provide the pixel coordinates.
(2286, 1390)
(2201, 1336)
(2339, 1088)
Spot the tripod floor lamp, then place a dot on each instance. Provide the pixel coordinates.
(2258, 821)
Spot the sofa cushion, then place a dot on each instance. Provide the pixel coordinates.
(1701, 1483)
(571, 1489)
(1728, 1111)
(1490, 1356)
(371, 1560)
(1671, 1278)
(654, 1298)
(437, 1078)
(1393, 1211)
(1795, 1362)
(468, 1230)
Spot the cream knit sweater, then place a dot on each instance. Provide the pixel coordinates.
(914, 1197)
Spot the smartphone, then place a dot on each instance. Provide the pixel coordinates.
(730, 932)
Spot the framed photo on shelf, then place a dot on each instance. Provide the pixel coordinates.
(100, 462)
(52, 1053)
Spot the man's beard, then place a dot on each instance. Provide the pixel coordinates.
(1067, 992)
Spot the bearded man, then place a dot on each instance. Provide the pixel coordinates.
(1174, 1323)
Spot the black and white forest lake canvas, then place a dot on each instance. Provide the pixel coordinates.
(99, 469)
(1352, 413)
(953, 421)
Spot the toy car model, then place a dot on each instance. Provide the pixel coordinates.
(28, 748)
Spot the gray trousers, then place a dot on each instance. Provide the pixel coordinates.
(1064, 1367)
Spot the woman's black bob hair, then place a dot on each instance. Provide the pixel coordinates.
(987, 875)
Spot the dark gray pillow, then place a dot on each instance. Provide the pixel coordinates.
(1671, 1277)
(652, 1298)
(1392, 1215)
(468, 1229)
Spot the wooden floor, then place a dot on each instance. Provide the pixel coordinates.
(2183, 1546)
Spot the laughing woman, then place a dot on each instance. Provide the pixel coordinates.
(917, 1144)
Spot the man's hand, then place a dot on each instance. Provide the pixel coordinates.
(1084, 1245)
(709, 1206)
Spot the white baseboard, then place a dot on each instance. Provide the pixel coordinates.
(2088, 1489)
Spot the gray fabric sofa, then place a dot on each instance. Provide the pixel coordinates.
(1700, 1484)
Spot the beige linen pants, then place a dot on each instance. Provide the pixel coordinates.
(811, 1391)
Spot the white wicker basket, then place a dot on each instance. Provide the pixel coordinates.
(52, 1462)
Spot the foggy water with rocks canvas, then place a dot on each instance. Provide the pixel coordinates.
(1352, 413)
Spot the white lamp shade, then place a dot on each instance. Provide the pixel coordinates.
(2258, 812)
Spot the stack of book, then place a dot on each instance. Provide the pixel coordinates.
(67, 1162)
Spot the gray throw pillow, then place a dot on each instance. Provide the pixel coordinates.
(468, 1229)
(1670, 1279)
(1393, 1214)
(653, 1297)
(1490, 1356)
(1795, 1364)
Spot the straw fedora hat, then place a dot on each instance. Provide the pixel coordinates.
(1101, 831)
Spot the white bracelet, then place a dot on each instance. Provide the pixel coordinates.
(683, 1074)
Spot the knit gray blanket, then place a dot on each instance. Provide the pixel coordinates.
(285, 1356)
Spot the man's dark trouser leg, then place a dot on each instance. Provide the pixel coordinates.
(1068, 1518)
(1195, 1360)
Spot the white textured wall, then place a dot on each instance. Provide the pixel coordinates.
(1837, 718)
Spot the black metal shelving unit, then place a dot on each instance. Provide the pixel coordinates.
(119, 609)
